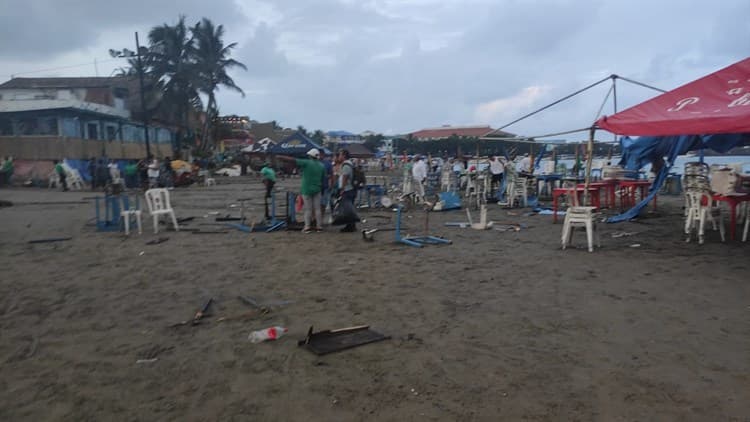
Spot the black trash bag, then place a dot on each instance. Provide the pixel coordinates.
(344, 213)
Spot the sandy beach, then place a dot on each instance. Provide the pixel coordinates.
(499, 325)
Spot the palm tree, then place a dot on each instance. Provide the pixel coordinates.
(212, 60)
(171, 64)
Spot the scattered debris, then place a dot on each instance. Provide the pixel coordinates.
(198, 317)
(623, 234)
(156, 241)
(32, 348)
(510, 227)
(152, 360)
(635, 245)
(266, 334)
(329, 341)
(209, 232)
(51, 239)
(141, 253)
(227, 218)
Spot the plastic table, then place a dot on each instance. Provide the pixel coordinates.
(594, 192)
(628, 189)
(732, 201)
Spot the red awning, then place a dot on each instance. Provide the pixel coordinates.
(717, 103)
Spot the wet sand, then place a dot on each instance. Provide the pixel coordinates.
(496, 326)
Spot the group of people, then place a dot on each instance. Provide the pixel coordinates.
(417, 172)
(322, 180)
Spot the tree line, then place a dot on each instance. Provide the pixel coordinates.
(181, 65)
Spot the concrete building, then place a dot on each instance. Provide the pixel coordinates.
(75, 118)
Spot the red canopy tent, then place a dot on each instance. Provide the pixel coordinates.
(717, 103)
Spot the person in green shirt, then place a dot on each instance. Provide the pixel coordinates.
(6, 171)
(269, 180)
(131, 174)
(61, 174)
(312, 184)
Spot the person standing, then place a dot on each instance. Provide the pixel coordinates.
(153, 174)
(347, 191)
(269, 180)
(419, 174)
(497, 169)
(312, 183)
(524, 166)
(327, 184)
(6, 171)
(92, 173)
(407, 177)
(61, 175)
(131, 174)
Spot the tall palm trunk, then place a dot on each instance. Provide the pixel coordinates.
(207, 123)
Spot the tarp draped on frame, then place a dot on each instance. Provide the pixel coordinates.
(636, 153)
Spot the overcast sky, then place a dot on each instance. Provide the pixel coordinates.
(395, 66)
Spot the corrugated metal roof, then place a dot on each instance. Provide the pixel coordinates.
(80, 82)
(447, 131)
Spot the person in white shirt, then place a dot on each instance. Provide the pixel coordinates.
(153, 174)
(524, 166)
(419, 174)
(497, 169)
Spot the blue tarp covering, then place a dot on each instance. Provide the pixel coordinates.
(452, 201)
(296, 145)
(638, 152)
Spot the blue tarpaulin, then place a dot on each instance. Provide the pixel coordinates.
(638, 152)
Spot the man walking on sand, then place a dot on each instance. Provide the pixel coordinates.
(347, 191)
(269, 180)
(312, 181)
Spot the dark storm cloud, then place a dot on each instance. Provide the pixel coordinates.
(39, 29)
(398, 65)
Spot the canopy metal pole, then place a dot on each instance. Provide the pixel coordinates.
(590, 156)
(614, 98)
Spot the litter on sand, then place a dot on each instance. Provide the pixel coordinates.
(50, 240)
(329, 341)
(623, 234)
(157, 241)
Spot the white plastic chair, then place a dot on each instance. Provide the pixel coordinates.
(698, 213)
(54, 180)
(128, 214)
(578, 216)
(72, 177)
(158, 205)
(517, 190)
(210, 181)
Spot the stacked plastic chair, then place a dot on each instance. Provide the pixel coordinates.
(699, 204)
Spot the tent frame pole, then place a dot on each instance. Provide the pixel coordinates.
(589, 161)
